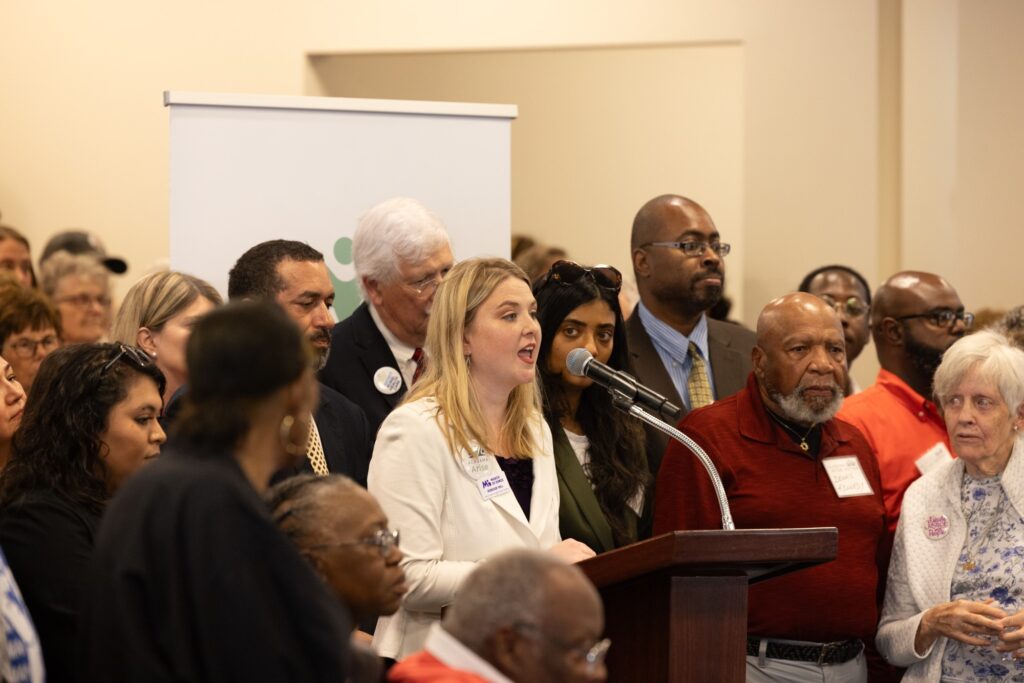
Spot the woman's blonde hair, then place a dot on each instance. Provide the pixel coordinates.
(447, 376)
(157, 298)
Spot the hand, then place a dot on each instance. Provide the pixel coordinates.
(1011, 639)
(974, 623)
(572, 551)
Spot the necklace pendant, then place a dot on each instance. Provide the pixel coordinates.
(804, 447)
(969, 565)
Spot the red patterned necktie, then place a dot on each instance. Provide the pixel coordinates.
(421, 364)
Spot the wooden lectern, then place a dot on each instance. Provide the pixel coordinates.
(676, 604)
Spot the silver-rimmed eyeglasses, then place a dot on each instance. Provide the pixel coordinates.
(382, 539)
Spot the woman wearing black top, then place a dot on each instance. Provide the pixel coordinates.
(599, 451)
(89, 424)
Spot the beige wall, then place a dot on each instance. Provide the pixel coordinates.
(83, 134)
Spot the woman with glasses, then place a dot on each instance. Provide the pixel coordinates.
(89, 425)
(78, 285)
(29, 331)
(599, 451)
(191, 579)
(158, 314)
(464, 467)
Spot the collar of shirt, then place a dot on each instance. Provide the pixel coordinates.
(399, 349)
(913, 401)
(452, 653)
(669, 341)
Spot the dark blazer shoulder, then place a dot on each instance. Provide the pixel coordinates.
(579, 516)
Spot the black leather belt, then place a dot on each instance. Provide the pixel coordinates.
(838, 652)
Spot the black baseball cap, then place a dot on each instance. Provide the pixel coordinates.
(80, 242)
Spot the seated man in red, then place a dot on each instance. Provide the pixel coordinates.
(524, 616)
(786, 462)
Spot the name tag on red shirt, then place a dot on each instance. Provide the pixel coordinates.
(847, 476)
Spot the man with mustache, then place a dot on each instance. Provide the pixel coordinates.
(675, 347)
(294, 275)
(786, 462)
(915, 317)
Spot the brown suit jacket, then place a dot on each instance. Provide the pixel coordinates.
(729, 346)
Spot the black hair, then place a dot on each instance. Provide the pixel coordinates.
(254, 274)
(618, 467)
(58, 446)
(236, 355)
(805, 284)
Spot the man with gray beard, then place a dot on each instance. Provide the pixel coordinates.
(787, 462)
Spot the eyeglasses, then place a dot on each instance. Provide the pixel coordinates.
(943, 317)
(721, 249)
(132, 355)
(592, 656)
(428, 284)
(567, 273)
(26, 348)
(383, 539)
(853, 306)
(84, 300)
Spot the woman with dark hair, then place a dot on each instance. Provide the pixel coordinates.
(599, 452)
(89, 425)
(192, 581)
(16, 256)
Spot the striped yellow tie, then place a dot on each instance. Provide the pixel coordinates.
(697, 383)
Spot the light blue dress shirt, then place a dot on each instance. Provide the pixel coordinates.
(673, 346)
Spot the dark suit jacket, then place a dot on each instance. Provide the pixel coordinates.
(345, 436)
(358, 350)
(729, 347)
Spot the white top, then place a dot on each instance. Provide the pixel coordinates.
(436, 500)
(929, 538)
(399, 349)
(581, 447)
(454, 654)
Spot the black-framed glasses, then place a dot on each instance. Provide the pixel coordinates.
(943, 317)
(721, 249)
(567, 272)
(382, 539)
(132, 355)
(26, 348)
(852, 306)
(593, 656)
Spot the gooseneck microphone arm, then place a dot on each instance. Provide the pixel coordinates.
(628, 395)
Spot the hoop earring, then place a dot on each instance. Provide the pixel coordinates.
(285, 433)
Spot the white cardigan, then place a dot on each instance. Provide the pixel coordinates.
(921, 570)
(446, 525)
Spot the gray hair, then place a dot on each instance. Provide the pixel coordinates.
(993, 357)
(399, 229)
(1012, 325)
(506, 590)
(297, 508)
(63, 264)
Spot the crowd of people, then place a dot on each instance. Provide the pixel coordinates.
(205, 491)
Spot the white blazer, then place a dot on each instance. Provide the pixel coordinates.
(446, 525)
(921, 569)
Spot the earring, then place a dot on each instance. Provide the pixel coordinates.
(285, 433)
(469, 361)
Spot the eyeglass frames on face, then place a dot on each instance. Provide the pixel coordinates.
(567, 272)
(852, 306)
(721, 249)
(26, 348)
(382, 539)
(943, 317)
(427, 285)
(593, 656)
(134, 356)
(84, 300)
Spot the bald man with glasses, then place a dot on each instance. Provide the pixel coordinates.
(915, 317)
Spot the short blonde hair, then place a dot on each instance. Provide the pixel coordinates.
(157, 298)
(63, 264)
(447, 377)
(993, 357)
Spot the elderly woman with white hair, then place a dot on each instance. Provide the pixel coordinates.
(953, 604)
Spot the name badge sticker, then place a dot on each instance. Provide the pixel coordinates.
(847, 476)
(494, 485)
(936, 455)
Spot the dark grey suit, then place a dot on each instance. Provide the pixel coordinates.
(729, 346)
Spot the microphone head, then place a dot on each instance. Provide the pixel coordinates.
(577, 360)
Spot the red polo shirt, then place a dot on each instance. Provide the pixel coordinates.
(901, 426)
(772, 484)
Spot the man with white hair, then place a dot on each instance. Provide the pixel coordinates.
(524, 616)
(400, 251)
(786, 462)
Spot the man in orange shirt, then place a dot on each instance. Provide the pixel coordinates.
(915, 317)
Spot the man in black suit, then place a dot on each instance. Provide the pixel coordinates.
(400, 251)
(675, 347)
(295, 276)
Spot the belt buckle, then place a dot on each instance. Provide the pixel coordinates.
(825, 647)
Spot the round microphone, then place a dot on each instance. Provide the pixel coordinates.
(576, 362)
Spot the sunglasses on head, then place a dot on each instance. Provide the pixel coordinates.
(132, 355)
(569, 273)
